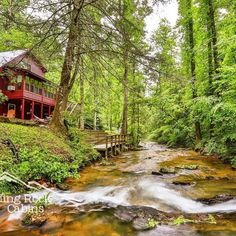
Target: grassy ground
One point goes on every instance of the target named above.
(43, 155)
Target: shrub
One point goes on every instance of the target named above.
(42, 154)
(3, 98)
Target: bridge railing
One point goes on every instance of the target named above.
(116, 143)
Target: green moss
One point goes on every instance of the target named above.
(152, 223)
(211, 219)
(188, 167)
(182, 220)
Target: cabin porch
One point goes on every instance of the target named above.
(25, 109)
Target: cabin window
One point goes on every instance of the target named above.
(27, 87)
(19, 82)
(36, 90)
(40, 91)
(32, 88)
(18, 86)
(27, 81)
(19, 79)
(25, 65)
(46, 91)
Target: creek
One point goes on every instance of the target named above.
(133, 179)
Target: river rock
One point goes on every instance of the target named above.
(168, 170)
(140, 224)
(139, 215)
(188, 167)
(124, 216)
(34, 219)
(217, 199)
(137, 148)
(224, 178)
(49, 226)
(63, 186)
(182, 183)
(156, 173)
(210, 177)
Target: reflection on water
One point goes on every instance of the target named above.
(128, 181)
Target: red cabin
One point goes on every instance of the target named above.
(22, 81)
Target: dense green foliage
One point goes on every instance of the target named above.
(3, 98)
(213, 106)
(42, 154)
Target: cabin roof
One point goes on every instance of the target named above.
(6, 57)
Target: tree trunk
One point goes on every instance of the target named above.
(212, 24)
(213, 57)
(193, 70)
(81, 124)
(124, 128)
(135, 108)
(95, 101)
(57, 122)
(210, 57)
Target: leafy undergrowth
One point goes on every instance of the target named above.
(42, 154)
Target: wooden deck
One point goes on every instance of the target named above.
(107, 144)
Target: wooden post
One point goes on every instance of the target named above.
(23, 109)
(124, 137)
(32, 110)
(115, 144)
(111, 145)
(130, 141)
(122, 142)
(41, 110)
(106, 151)
(127, 141)
(42, 92)
(23, 82)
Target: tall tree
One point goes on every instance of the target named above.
(67, 79)
(185, 9)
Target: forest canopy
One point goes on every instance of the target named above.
(177, 88)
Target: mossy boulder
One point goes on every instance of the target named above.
(182, 183)
(34, 219)
(168, 170)
(63, 186)
(188, 167)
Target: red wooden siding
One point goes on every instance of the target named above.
(33, 95)
(35, 67)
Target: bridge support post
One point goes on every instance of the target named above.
(32, 110)
(122, 142)
(111, 145)
(106, 151)
(119, 138)
(115, 145)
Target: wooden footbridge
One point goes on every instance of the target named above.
(108, 144)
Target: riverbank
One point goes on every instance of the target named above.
(197, 198)
(36, 153)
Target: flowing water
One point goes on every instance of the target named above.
(128, 181)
